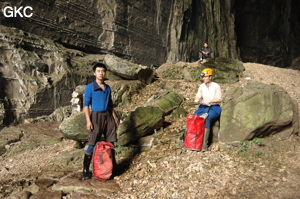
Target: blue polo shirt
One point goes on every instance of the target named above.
(99, 99)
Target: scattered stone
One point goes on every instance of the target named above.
(20, 195)
(146, 142)
(44, 183)
(47, 195)
(73, 184)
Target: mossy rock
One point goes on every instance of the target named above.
(167, 101)
(225, 70)
(74, 128)
(139, 123)
(257, 110)
(179, 113)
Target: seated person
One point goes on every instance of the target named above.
(205, 52)
(209, 95)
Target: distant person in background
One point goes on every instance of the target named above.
(205, 52)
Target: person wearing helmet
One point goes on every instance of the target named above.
(209, 95)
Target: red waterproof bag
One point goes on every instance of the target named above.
(103, 160)
(194, 133)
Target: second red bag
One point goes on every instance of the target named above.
(194, 132)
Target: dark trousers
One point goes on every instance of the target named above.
(209, 55)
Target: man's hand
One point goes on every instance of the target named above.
(89, 126)
(207, 103)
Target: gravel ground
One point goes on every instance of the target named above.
(166, 171)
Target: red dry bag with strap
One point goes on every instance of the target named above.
(194, 133)
(103, 160)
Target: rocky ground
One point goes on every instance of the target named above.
(262, 168)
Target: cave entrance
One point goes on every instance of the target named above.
(268, 31)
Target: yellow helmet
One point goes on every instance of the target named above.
(207, 72)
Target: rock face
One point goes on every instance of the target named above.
(156, 31)
(129, 70)
(276, 43)
(39, 75)
(36, 76)
(257, 110)
(147, 31)
(225, 70)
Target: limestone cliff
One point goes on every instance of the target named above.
(150, 32)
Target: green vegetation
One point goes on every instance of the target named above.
(248, 144)
(120, 148)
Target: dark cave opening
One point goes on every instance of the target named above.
(268, 31)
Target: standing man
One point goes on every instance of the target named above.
(103, 118)
(209, 95)
(205, 52)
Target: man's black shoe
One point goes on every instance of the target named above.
(86, 174)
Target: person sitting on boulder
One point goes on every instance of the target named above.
(205, 52)
(209, 95)
(103, 119)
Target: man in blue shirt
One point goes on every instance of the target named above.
(103, 119)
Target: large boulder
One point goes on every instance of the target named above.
(225, 70)
(129, 70)
(139, 123)
(74, 127)
(257, 110)
(166, 102)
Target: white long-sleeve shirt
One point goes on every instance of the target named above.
(209, 91)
